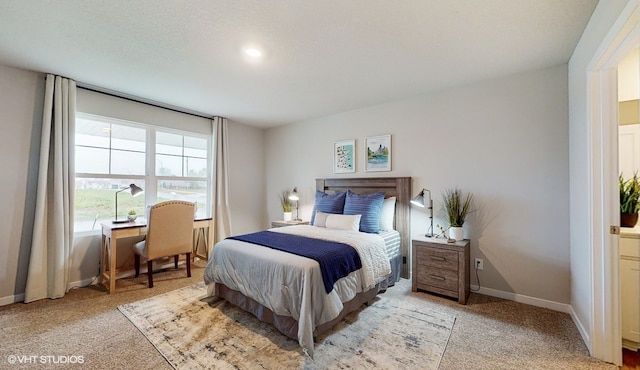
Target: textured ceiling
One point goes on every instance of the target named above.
(321, 57)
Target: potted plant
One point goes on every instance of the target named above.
(132, 215)
(287, 205)
(629, 200)
(457, 207)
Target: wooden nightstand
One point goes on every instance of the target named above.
(440, 267)
(280, 223)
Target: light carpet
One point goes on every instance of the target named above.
(192, 334)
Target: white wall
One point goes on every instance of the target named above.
(601, 21)
(21, 97)
(506, 141)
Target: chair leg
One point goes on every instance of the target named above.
(188, 264)
(150, 273)
(175, 261)
(137, 263)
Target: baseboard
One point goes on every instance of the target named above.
(581, 329)
(11, 299)
(538, 302)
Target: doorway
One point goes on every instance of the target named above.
(605, 330)
(629, 243)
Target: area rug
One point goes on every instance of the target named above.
(193, 334)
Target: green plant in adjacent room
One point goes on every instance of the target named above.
(287, 205)
(457, 206)
(629, 194)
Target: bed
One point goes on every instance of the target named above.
(289, 290)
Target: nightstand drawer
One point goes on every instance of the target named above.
(438, 258)
(444, 279)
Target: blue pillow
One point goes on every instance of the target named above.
(367, 205)
(328, 203)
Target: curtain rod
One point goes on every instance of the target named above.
(142, 102)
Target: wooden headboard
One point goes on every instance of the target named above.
(399, 187)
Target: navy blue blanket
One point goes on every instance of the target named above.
(336, 260)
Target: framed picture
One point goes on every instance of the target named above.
(378, 153)
(344, 156)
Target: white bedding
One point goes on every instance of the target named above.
(292, 285)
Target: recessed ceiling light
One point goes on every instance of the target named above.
(253, 52)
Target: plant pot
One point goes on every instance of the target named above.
(455, 233)
(628, 219)
(287, 216)
(132, 217)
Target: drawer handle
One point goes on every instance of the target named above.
(436, 277)
(437, 258)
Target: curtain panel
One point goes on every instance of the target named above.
(50, 258)
(220, 164)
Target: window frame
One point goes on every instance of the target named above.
(150, 177)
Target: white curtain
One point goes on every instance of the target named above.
(220, 209)
(50, 259)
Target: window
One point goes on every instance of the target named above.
(111, 154)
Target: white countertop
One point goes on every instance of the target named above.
(632, 232)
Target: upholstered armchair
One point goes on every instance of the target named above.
(169, 233)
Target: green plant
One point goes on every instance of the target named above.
(132, 212)
(287, 205)
(457, 206)
(629, 194)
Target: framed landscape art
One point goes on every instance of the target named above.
(378, 153)
(344, 156)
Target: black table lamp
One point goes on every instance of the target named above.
(135, 190)
(419, 201)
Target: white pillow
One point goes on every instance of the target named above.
(337, 222)
(321, 219)
(386, 214)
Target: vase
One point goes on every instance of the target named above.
(455, 233)
(132, 217)
(287, 216)
(628, 219)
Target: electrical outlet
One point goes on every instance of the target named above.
(479, 264)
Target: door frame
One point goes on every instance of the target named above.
(604, 207)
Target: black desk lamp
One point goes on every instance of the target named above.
(419, 201)
(135, 190)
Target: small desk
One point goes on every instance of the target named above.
(112, 232)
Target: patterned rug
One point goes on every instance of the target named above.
(192, 334)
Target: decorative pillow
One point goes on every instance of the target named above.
(337, 222)
(367, 205)
(387, 212)
(328, 203)
(320, 219)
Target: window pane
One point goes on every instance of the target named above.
(168, 165)
(95, 201)
(168, 143)
(195, 147)
(92, 160)
(195, 167)
(127, 163)
(128, 138)
(191, 191)
(92, 133)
